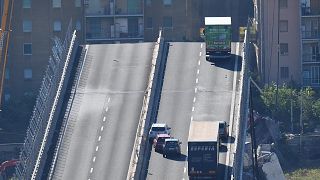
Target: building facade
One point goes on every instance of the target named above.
(280, 41)
(33, 25)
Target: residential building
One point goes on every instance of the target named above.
(34, 23)
(109, 21)
(310, 42)
(279, 41)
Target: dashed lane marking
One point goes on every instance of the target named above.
(199, 62)
(101, 128)
(194, 99)
(91, 170)
(107, 109)
(109, 99)
(198, 71)
(200, 53)
(191, 118)
(197, 80)
(192, 108)
(94, 159)
(104, 119)
(97, 148)
(201, 45)
(195, 90)
(99, 139)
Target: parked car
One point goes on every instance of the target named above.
(158, 142)
(223, 130)
(172, 147)
(158, 128)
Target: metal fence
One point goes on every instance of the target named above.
(40, 129)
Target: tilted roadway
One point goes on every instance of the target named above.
(105, 112)
(194, 89)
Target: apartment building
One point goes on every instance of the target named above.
(310, 42)
(280, 41)
(34, 24)
(109, 21)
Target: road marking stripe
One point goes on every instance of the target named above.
(99, 138)
(200, 53)
(101, 128)
(198, 71)
(184, 169)
(195, 90)
(107, 109)
(194, 99)
(104, 119)
(201, 45)
(97, 148)
(109, 99)
(192, 108)
(91, 170)
(94, 159)
(199, 62)
(197, 80)
(191, 118)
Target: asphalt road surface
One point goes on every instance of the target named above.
(194, 89)
(105, 112)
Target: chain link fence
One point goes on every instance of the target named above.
(42, 122)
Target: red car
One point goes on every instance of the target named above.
(158, 142)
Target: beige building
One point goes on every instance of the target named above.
(34, 24)
(298, 28)
(280, 41)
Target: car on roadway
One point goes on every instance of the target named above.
(158, 128)
(223, 130)
(158, 142)
(172, 147)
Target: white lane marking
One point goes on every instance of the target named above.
(109, 99)
(191, 118)
(199, 62)
(192, 108)
(195, 90)
(201, 45)
(94, 159)
(91, 170)
(104, 119)
(107, 109)
(200, 53)
(101, 128)
(197, 80)
(194, 99)
(99, 138)
(232, 109)
(97, 148)
(198, 71)
(184, 170)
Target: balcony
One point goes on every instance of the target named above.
(312, 82)
(315, 34)
(309, 11)
(311, 58)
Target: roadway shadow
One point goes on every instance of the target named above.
(227, 63)
(222, 168)
(223, 148)
(182, 157)
(226, 140)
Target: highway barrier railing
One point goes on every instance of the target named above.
(46, 110)
(243, 111)
(137, 161)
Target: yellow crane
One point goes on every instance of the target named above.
(4, 40)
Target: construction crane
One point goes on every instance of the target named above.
(4, 41)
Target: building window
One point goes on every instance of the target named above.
(26, 4)
(27, 49)
(283, 26)
(149, 22)
(283, 4)
(27, 73)
(6, 97)
(27, 26)
(56, 3)
(284, 48)
(77, 3)
(284, 72)
(167, 22)
(167, 2)
(78, 25)
(57, 25)
(7, 74)
(315, 75)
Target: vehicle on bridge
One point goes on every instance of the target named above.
(158, 142)
(203, 149)
(172, 147)
(217, 35)
(158, 128)
(223, 130)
